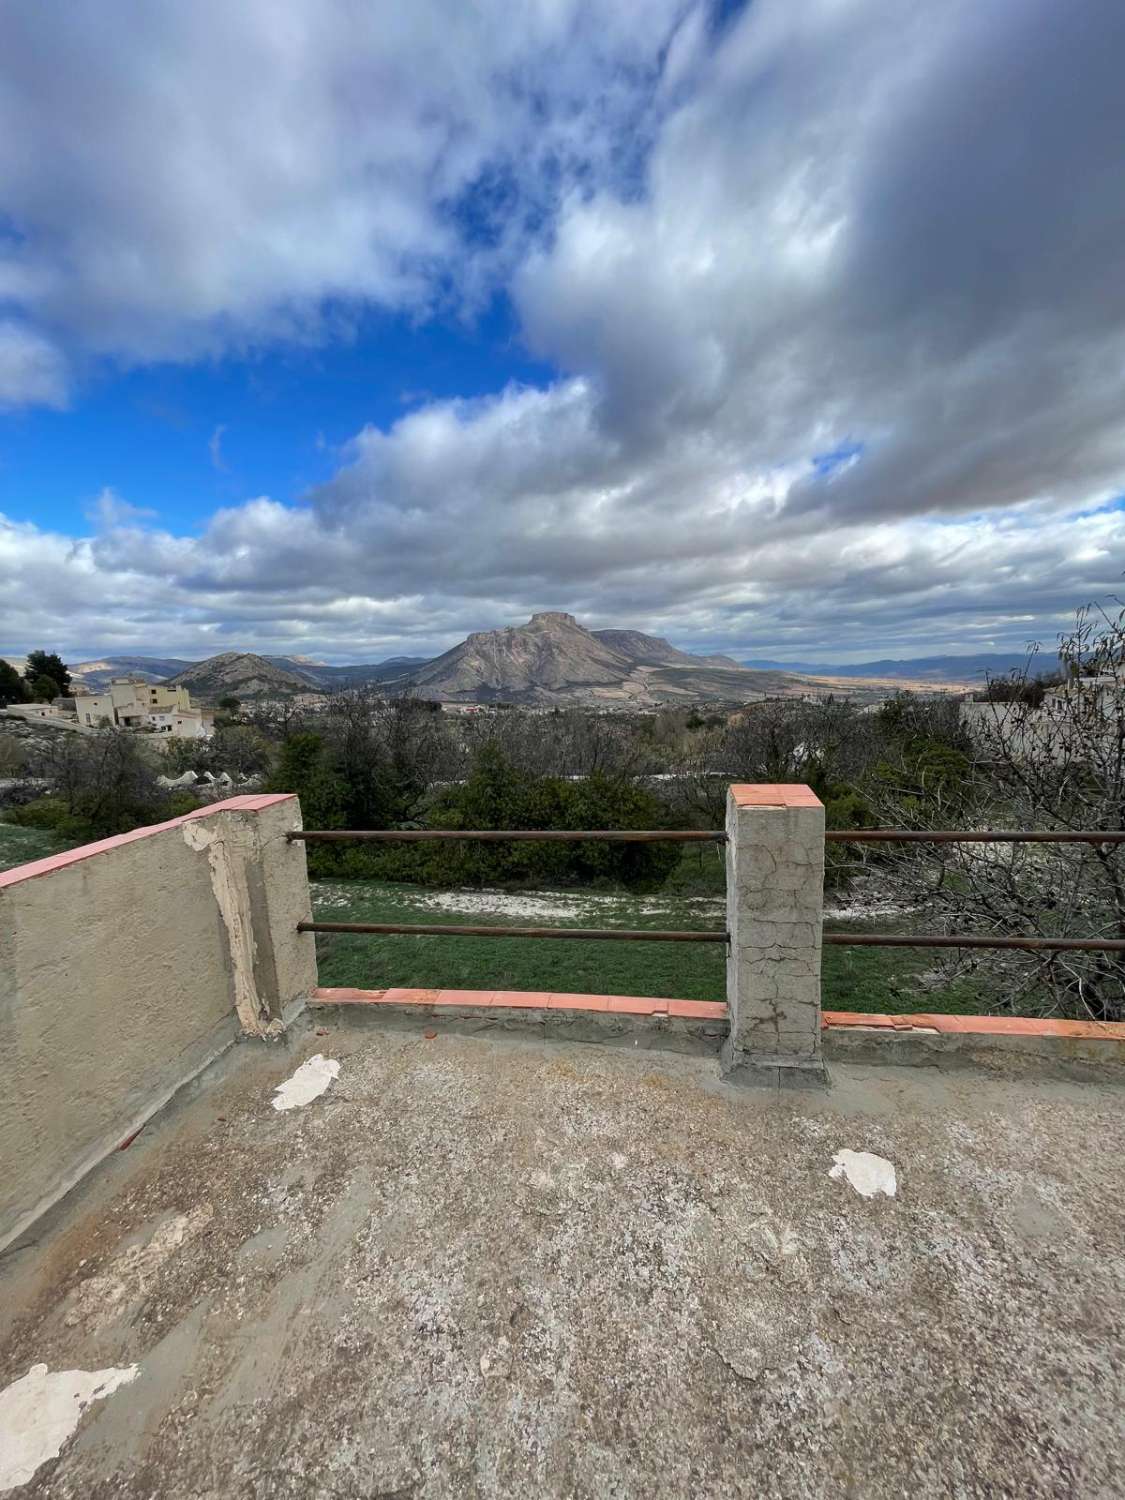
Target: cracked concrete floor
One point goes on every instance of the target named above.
(481, 1266)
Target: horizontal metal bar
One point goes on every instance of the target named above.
(967, 836)
(1033, 944)
(503, 835)
(587, 934)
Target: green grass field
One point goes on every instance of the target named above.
(19, 846)
(859, 979)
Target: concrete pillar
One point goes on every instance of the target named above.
(775, 898)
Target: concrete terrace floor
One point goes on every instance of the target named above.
(480, 1266)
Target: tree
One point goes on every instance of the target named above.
(12, 686)
(302, 767)
(44, 689)
(230, 704)
(1059, 766)
(104, 783)
(498, 795)
(239, 750)
(48, 664)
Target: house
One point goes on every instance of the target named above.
(54, 712)
(154, 707)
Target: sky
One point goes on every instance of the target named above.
(791, 329)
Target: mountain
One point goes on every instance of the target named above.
(654, 651)
(928, 668)
(369, 675)
(242, 674)
(550, 654)
(553, 659)
(97, 674)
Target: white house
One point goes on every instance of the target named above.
(144, 705)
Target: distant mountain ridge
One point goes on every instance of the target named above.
(549, 659)
(951, 668)
(96, 674)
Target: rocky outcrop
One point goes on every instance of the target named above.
(553, 659)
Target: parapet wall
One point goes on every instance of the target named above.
(125, 967)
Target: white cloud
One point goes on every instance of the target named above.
(211, 178)
(865, 228)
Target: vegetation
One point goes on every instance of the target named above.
(13, 756)
(1059, 766)
(239, 749)
(13, 689)
(103, 784)
(1032, 761)
(45, 670)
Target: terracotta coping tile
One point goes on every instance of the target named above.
(247, 802)
(775, 794)
(346, 992)
(715, 1010)
(980, 1025)
(577, 1002)
(464, 997)
(636, 1005)
(698, 1010)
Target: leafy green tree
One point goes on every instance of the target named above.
(47, 664)
(12, 686)
(44, 689)
(303, 767)
(230, 704)
(497, 795)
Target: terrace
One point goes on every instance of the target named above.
(467, 1252)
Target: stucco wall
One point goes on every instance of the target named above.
(126, 966)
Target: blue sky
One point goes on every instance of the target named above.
(791, 330)
(186, 439)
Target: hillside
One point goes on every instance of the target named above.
(97, 674)
(553, 659)
(654, 651)
(241, 674)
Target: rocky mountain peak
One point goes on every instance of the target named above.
(552, 617)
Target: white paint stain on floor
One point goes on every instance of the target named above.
(40, 1411)
(868, 1174)
(307, 1083)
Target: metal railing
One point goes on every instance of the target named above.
(972, 836)
(526, 835)
(705, 836)
(503, 835)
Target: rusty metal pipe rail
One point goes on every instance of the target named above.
(921, 940)
(583, 934)
(967, 836)
(503, 835)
